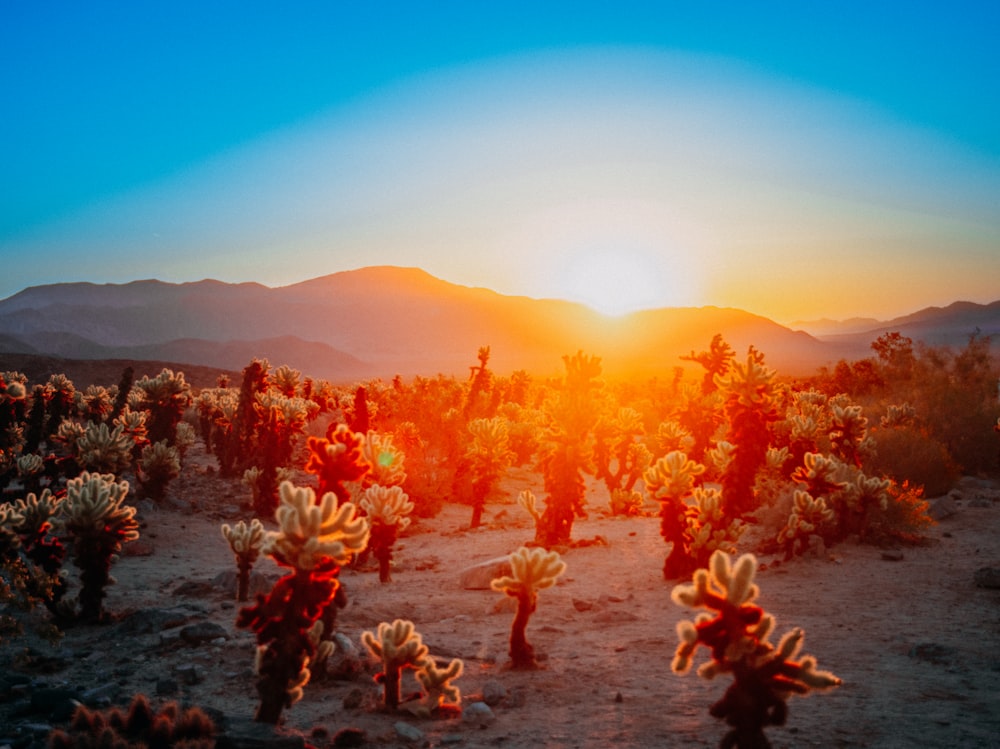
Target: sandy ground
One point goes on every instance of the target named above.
(916, 643)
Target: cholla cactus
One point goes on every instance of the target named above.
(384, 458)
(94, 516)
(848, 432)
(104, 450)
(489, 456)
(398, 646)
(900, 416)
(721, 456)
(861, 497)
(337, 460)
(439, 693)
(313, 540)
(159, 465)
(245, 541)
(533, 570)
(165, 396)
(669, 481)
(141, 725)
(625, 502)
(807, 515)
(388, 511)
(736, 632)
(671, 436)
(708, 528)
(819, 474)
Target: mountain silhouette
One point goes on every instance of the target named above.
(385, 320)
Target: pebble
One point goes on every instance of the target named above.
(478, 714)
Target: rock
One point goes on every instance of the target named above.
(479, 576)
(494, 692)
(980, 502)
(349, 737)
(150, 621)
(194, 589)
(202, 632)
(932, 652)
(167, 687)
(615, 616)
(581, 605)
(942, 507)
(245, 733)
(228, 581)
(190, 673)
(102, 696)
(57, 704)
(987, 577)
(478, 714)
(410, 733)
(353, 699)
(893, 555)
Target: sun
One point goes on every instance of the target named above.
(612, 282)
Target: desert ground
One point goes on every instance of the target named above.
(914, 638)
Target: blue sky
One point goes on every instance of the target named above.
(798, 160)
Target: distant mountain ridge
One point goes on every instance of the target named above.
(386, 320)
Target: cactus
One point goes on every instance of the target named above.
(336, 460)
(165, 396)
(101, 449)
(736, 633)
(398, 646)
(669, 481)
(388, 511)
(489, 456)
(625, 502)
(384, 459)
(141, 726)
(440, 695)
(245, 542)
(807, 515)
(159, 465)
(313, 540)
(533, 570)
(97, 521)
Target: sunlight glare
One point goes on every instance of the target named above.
(612, 282)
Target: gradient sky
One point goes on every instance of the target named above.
(798, 160)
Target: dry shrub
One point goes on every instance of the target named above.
(907, 454)
(904, 518)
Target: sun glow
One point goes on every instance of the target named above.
(613, 282)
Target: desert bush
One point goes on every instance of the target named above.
(910, 454)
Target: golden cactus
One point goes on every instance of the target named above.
(398, 646)
(311, 532)
(532, 570)
(439, 692)
(245, 542)
(388, 511)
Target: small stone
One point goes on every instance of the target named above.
(581, 605)
(478, 714)
(892, 556)
(190, 673)
(618, 698)
(202, 632)
(941, 508)
(494, 692)
(409, 733)
(167, 687)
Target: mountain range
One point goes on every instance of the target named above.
(382, 321)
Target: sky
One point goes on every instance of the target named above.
(796, 160)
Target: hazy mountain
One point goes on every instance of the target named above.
(383, 321)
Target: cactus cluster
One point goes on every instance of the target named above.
(388, 510)
(400, 647)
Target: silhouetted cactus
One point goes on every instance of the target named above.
(337, 460)
(140, 726)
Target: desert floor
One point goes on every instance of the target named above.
(915, 641)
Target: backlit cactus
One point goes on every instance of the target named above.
(736, 631)
(386, 461)
(337, 460)
(670, 480)
(399, 646)
(245, 542)
(532, 570)
(93, 515)
(101, 449)
(388, 510)
(159, 465)
(439, 694)
(807, 516)
(314, 538)
(489, 456)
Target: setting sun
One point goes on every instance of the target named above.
(613, 282)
